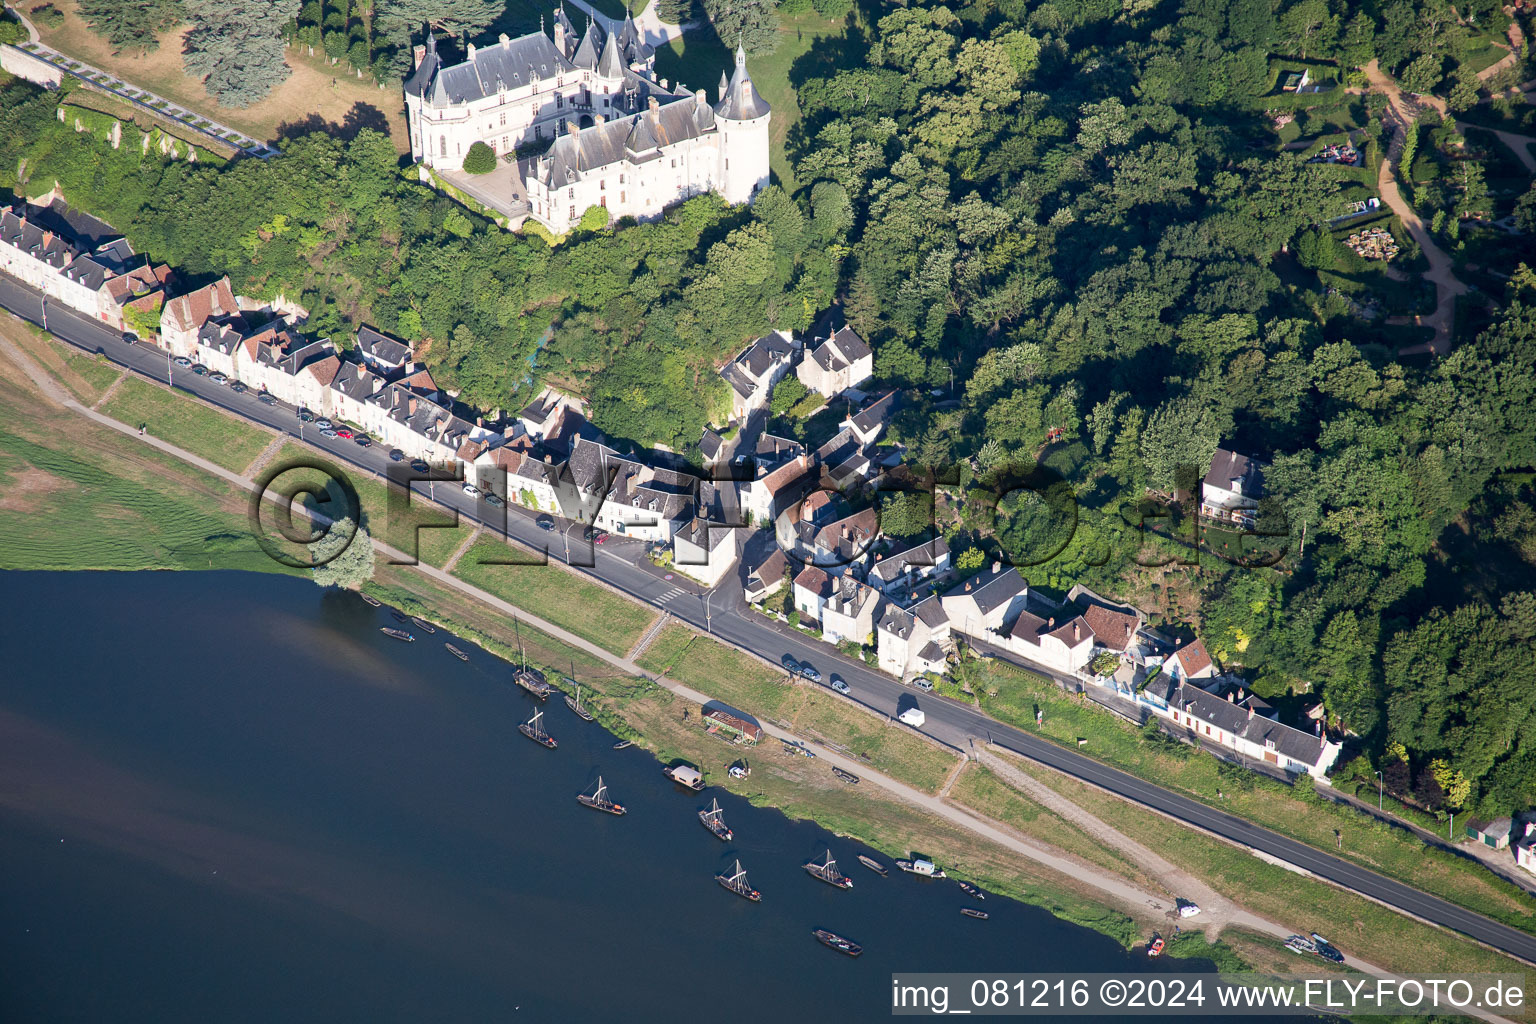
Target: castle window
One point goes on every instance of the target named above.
(727, 163)
(621, 197)
(442, 145)
(621, 179)
(559, 100)
(570, 193)
(674, 162)
(573, 213)
(503, 118)
(602, 185)
(603, 201)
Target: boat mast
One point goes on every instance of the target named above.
(521, 657)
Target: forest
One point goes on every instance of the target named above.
(1066, 219)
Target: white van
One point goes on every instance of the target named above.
(913, 717)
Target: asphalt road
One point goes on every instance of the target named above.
(620, 563)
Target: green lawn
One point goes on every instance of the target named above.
(1011, 694)
(187, 423)
(590, 611)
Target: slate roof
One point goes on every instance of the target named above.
(899, 621)
(772, 568)
(742, 100)
(87, 273)
(21, 229)
(1003, 587)
(876, 414)
(590, 47)
(843, 348)
(710, 444)
(382, 347)
(355, 381)
(1228, 466)
(636, 139)
(919, 556)
(1237, 721)
(511, 64)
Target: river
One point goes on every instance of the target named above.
(227, 797)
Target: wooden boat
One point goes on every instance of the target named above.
(534, 730)
(847, 777)
(370, 599)
(532, 680)
(1156, 948)
(400, 616)
(686, 776)
(874, 865)
(622, 744)
(827, 872)
(456, 652)
(971, 890)
(918, 866)
(837, 942)
(426, 626)
(714, 820)
(980, 915)
(398, 634)
(737, 883)
(599, 801)
(575, 705)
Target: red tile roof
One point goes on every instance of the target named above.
(1193, 658)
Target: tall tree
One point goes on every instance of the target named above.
(236, 48)
(131, 24)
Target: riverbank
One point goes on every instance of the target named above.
(632, 706)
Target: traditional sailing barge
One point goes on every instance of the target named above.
(534, 730)
(828, 873)
(574, 703)
(837, 942)
(737, 883)
(456, 652)
(426, 626)
(714, 820)
(874, 865)
(599, 801)
(398, 634)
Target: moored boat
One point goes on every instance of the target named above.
(837, 942)
(685, 775)
(737, 883)
(574, 703)
(532, 680)
(847, 777)
(1156, 946)
(980, 915)
(398, 634)
(399, 615)
(534, 730)
(971, 890)
(714, 820)
(827, 872)
(622, 744)
(918, 866)
(598, 800)
(426, 627)
(370, 599)
(874, 865)
(456, 652)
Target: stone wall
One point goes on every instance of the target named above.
(23, 65)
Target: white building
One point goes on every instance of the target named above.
(813, 588)
(705, 551)
(840, 362)
(184, 316)
(979, 607)
(1232, 489)
(1240, 722)
(760, 366)
(912, 641)
(849, 614)
(1062, 645)
(621, 139)
(899, 572)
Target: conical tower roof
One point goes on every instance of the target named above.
(611, 65)
(742, 100)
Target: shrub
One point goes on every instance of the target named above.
(47, 16)
(480, 159)
(594, 219)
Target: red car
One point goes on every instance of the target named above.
(344, 432)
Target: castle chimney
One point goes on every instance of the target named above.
(997, 567)
(418, 52)
(698, 96)
(598, 119)
(559, 36)
(1230, 700)
(471, 51)
(652, 103)
(1077, 630)
(571, 127)
(506, 42)
(1250, 712)
(664, 85)
(1050, 623)
(967, 586)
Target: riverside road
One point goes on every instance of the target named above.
(723, 614)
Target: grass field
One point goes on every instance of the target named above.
(87, 377)
(1012, 694)
(590, 611)
(758, 689)
(203, 430)
(313, 89)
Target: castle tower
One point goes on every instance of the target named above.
(743, 117)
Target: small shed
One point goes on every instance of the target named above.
(738, 723)
(1493, 833)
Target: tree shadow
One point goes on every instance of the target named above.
(361, 116)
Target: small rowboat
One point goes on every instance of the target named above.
(971, 890)
(837, 942)
(398, 634)
(400, 616)
(980, 915)
(369, 598)
(874, 865)
(424, 624)
(456, 652)
(622, 744)
(847, 777)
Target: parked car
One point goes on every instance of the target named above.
(218, 378)
(305, 416)
(839, 685)
(362, 440)
(790, 664)
(182, 361)
(238, 387)
(325, 424)
(266, 399)
(809, 671)
(594, 535)
(546, 522)
(419, 466)
(471, 490)
(396, 455)
(923, 684)
(343, 432)
(130, 339)
(327, 432)
(492, 498)
(1187, 908)
(199, 369)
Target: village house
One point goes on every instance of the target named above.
(753, 374)
(980, 607)
(839, 362)
(870, 422)
(769, 496)
(185, 315)
(1064, 645)
(382, 354)
(768, 578)
(603, 489)
(704, 550)
(541, 418)
(1232, 489)
(849, 614)
(141, 290)
(913, 641)
(1191, 662)
(813, 587)
(845, 543)
(1240, 722)
(1114, 625)
(1525, 846)
(899, 572)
